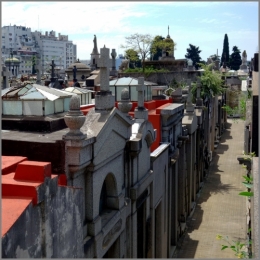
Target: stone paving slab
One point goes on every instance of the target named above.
(219, 210)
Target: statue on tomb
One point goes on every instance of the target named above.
(209, 61)
(95, 42)
(124, 65)
(74, 72)
(244, 57)
(76, 84)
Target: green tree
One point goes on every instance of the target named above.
(193, 53)
(235, 59)
(34, 60)
(31, 62)
(225, 52)
(211, 83)
(133, 57)
(141, 43)
(161, 44)
(214, 57)
(156, 50)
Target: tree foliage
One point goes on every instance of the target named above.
(225, 52)
(133, 57)
(211, 83)
(235, 59)
(141, 43)
(214, 57)
(34, 60)
(193, 53)
(156, 50)
(161, 44)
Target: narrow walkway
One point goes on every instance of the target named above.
(219, 210)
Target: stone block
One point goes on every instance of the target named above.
(135, 144)
(94, 227)
(104, 102)
(32, 171)
(141, 114)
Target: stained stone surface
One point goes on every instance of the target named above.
(104, 100)
(125, 105)
(75, 118)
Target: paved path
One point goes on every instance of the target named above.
(219, 210)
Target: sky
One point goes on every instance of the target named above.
(203, 24)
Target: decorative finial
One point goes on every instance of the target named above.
(168, 29)
(125, 104)
(74, 119)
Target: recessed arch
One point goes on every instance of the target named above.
(108, 192)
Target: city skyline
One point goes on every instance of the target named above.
(202, 24)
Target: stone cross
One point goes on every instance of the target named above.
(113, 54)
(141, 112)
(189, 105)
(74, 72)
(199, 101)
(5, 74)
(104, 63)
(52, 70)
(140, 90)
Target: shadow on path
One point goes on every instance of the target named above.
(212, 186)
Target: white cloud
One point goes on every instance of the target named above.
(112, 21)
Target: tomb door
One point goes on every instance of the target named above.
(114, 250)
(158, 231)
(174, 206)
(141, 225)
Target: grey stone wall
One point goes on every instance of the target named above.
(50, 229)
(165, 78)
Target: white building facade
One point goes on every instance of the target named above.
(23, 44)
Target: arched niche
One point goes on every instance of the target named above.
(108, 199)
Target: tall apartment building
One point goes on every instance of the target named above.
(59, 49)
(23, 43)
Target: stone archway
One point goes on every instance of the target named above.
(108, 194)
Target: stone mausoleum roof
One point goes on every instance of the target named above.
(79, 65)
(12, 60)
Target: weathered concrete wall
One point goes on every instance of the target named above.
(165, 78)
(25, 238)
(51, 229)
(160, 195)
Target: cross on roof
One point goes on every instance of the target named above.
(140, 90)
(52, 68)
(104, 63)
(189, 105)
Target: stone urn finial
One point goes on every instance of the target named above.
(125, 104)
(75, 118)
